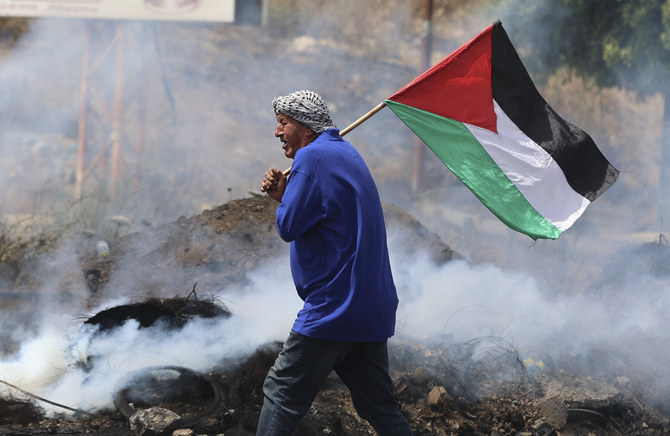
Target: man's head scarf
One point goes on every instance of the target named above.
(306, 107)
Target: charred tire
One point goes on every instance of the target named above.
(122, 401)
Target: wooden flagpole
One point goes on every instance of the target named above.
(353, 125)
(362, 119)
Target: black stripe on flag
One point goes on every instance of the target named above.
(586, 169)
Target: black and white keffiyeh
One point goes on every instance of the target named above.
(306, 107)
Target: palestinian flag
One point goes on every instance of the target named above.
(480, 113)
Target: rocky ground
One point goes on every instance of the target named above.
(443, 389)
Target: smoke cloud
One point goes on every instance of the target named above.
(441, 306)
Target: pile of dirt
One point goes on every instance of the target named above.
(219, 247)
(442, 390)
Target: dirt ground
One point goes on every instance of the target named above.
(442, 389)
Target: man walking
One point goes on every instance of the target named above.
(331, 214)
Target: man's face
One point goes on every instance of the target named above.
(293, 134)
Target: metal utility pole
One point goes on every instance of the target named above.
(79, 173)
(93, 153)
(118, 108)
(426, 53)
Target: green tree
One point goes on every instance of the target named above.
(624, 43)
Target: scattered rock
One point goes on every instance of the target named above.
(554, 412)
(155, 421)
(438, 396)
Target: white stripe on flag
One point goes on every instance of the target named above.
(532, 170)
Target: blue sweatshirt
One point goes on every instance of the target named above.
(333, 217)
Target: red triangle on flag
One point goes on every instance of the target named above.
(459, 87)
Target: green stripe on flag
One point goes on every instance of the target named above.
(460, 151)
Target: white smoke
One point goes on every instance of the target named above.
(458, 300)
(470, 301)
(75, 365)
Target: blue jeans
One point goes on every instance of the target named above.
(303, 365)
